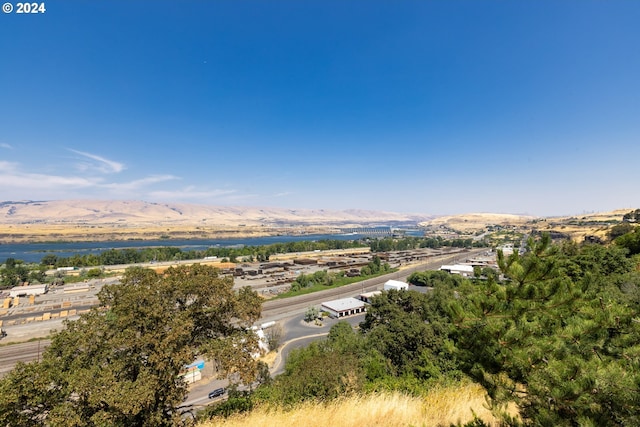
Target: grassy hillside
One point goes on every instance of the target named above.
(440, 407)
(498, 225)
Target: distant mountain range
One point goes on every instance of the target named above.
(134, 212)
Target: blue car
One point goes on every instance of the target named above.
(216, 393)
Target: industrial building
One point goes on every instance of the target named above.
(395, 285)
(461, 269)
(343, 307)
(38, 289)
(368, 296)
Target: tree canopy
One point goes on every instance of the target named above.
(558, 336)
(119, 364)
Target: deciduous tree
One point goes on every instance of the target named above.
(119, 364)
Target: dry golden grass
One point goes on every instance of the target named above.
(576, 227)
(441, 407)
(478, 221)
(596, 216)
(579, 226)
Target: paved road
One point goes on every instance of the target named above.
(271, 310)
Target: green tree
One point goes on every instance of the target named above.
(619, 230)
(630, 241)
(400, 326)
(49, 260)
(119, 364)
(316, 372)
(560, 341)
(274, 335)
(94, 273)
(311, 314)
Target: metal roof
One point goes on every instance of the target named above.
(343, 304)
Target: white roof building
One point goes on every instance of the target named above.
(343, 307)
(395, 284)
(38, 289)
(366, 297)
(461, 269)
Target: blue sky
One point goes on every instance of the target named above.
(432, 107)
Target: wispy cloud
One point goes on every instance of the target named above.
(282, 194)
(5, 145)
(100, 164)
(19, 182)
(14, 178)
(140, 183)
(190, 193)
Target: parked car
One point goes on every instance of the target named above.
(216, 393)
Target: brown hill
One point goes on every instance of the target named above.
(73, 220)
(477, 221)
(578, 228)
(136, 213)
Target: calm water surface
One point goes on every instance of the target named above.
(33, 252)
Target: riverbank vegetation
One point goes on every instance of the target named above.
(245, 253)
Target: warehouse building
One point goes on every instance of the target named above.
(395, 285)
(38, 289)
(343, 307)
(368, 296)
(461, 269)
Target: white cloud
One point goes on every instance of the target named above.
(101, 164)
(282, 194)
(189, 193)
(5, 145)
(8, 166)
(15, 179)
(23, 184)
(140, 183)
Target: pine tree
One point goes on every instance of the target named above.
(564, 346)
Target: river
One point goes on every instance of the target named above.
(33, 252)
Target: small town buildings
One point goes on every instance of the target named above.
(343, 307)
(367, 296)
(461, 269)
(37, 289)
(395, 285)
